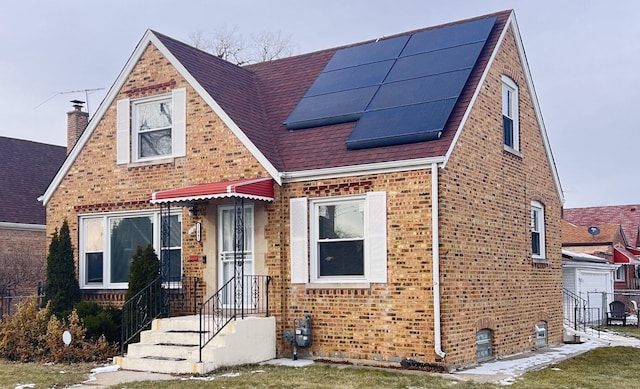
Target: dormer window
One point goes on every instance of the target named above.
(152, 129)
(510, 122)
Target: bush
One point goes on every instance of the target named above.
(35, 335)
(62, 290)
(145, 268)
(100, 321)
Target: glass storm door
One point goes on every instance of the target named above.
(226, 223)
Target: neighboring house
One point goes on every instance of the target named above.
(26, 169)
(614, 237)
(400, 191)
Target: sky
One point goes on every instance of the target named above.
(583, 55)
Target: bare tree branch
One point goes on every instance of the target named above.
(231, 46)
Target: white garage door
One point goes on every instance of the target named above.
(594, 282)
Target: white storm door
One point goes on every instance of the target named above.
(226, 223)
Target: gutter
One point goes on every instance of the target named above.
(437, 336)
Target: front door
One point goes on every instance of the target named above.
(227, 223)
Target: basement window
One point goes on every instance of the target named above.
(484, 339)
(541, 335)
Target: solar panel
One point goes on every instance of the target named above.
(400, 125)
(400, 90)
(419, 90)
(435, 62)
(350, 78)
(369, 52)
(449, 36)
(322, 110)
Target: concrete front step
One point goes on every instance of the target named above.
(172, 346)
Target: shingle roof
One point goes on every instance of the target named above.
(259, 98)
(578, 235)
(628, 216)
(26, 169)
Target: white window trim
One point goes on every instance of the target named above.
(127, 136)
(622, 271)
(539, 208)
(106, 254)
(508, 83)
(304, 258)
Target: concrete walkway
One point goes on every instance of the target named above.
(504, 371)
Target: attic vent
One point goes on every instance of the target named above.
(399, 90)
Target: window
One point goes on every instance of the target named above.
(510, 123)
(620, 273)
(537, 230)
(541, 334)
(152, 128)
(347, 238)
(109, 241)
(483, 345)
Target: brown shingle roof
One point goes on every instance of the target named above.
(628, 216)
(260, 97)
(26, 169)
(578, 235)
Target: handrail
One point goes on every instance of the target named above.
(140, 310)
(219, 309)
(577, 314)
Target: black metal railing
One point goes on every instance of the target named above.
(221, 308)
(577, 313)
(140, 310)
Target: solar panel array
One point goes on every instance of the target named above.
(400, 90)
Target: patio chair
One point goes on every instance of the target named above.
(617, 313)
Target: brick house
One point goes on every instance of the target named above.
(27, 169)
(400, 191)
(616, 240)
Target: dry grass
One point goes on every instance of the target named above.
(42, 375)
(600, 368)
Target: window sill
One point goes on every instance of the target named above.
(159, 161)
(337, 285)
(513, 151)
(539, 260)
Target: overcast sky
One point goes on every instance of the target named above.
(584, 57)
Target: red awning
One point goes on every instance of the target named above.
(255, 189)
(622, 255)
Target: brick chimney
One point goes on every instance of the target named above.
(77, 121)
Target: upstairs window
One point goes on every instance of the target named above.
(510, 124)
(537, 230)
(152, 128)
(619, 275)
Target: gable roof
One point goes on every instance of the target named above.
(26, 168)
(628, 216)
(578, 235)
(254, 102)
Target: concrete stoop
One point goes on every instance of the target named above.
(172, 346)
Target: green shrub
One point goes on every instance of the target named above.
(100, 321)
(144, 269)
(62, 290)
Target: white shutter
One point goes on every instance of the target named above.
(123, 131)
(377, 237)
(179, 123)
(299, 241)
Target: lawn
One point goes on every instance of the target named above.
(599, 368)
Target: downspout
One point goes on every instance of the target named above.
(437, 338)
